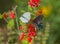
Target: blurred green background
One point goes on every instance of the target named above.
(53, 19)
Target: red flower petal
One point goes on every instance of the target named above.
(12, 15)
(31, 4)
(29, 34)
(29, 39)
(22, 36)
(33, 34)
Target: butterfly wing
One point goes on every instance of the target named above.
(25, 17)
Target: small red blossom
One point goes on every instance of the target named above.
(31, 30)
(31, 4)
(12, 15)
(34, 3)
(29, 39)
(29, 34)
(30, 25)
(22, 36)
(5, 15)
(33, 34)
(21, 27)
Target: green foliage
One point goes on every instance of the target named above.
(1, 16)
(13, 36)
(10, 24)
(53, 19)
(5, 5)
(24, 42)
(55, 22)
(24, 25)
(21, 2)
(29, 8)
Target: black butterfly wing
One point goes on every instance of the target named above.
(38, 22)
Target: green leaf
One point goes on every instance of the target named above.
(24, 42)
(10, 24)
(22, 11)
(1, 16)
(29, 8)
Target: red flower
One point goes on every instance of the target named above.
(29, 34)
(30, 25)
(31, 30)
(22, 36)
(12, 15)
(29, 39)
(5, 15)
(33, 34)
(34, 3)
(31, 4)
(21, 27)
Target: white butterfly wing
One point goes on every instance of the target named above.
(26, 17)
(23, 20)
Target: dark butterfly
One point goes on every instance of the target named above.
(38, 22)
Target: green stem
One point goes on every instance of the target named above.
(6, 20)
(16, 19)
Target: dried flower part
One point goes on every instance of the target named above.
(5, 15)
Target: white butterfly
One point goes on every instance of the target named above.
(25, 17)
